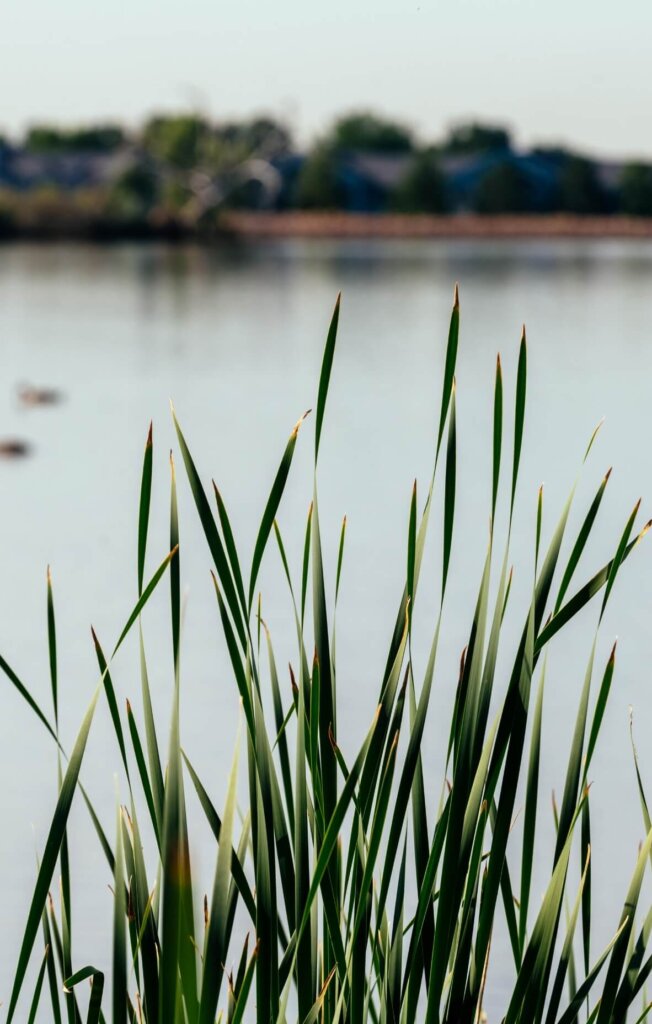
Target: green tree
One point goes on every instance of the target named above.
(133, 193)
(476, 138)
(422, 189)
(580, 190)
(317, 184)
(102, 138)
(179, 140)
(366, 131)
(636, 190)
(503, 189)
(260, 135)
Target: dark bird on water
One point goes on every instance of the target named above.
(29, 394)
(13, 448)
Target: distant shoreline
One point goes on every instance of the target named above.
(252, 226)
(303, 224)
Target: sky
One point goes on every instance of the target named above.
(569, 71)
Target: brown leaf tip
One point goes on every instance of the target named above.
(463, 661)
(150, 435)
(456, 296)
(297, 425)
(331, 738)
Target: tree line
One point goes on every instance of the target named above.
(186, 166)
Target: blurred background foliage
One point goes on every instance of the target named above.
(177, 172)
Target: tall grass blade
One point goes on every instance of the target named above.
(50, 854)
(325, 375)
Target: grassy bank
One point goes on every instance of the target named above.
(367, 890)
(73, 221)
(303, 224)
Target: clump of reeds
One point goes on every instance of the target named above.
(324, 858)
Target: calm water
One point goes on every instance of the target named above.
(235, 339)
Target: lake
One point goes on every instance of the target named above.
(234, 337)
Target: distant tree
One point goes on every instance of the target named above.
(423, 189)
(317, 184)
(261, 136)
(103, 138)
(476, 138)
(100, 138)
(556, 154)
(133, 193)
(368, 132)
(503, 189)
(580, 190)
(179, 140)
(636, 190)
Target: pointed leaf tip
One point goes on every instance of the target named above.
(644, 530)
(297, 425)
(456, 296)
(150, 435)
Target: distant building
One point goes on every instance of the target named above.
(22, 170)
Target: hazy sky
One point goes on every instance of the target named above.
(554, 70)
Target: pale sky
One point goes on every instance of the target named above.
(574, 71)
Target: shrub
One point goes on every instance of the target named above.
(423, 189)
(636, 190)
(502, 189)
(321, 860)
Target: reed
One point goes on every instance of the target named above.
(369, 891)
